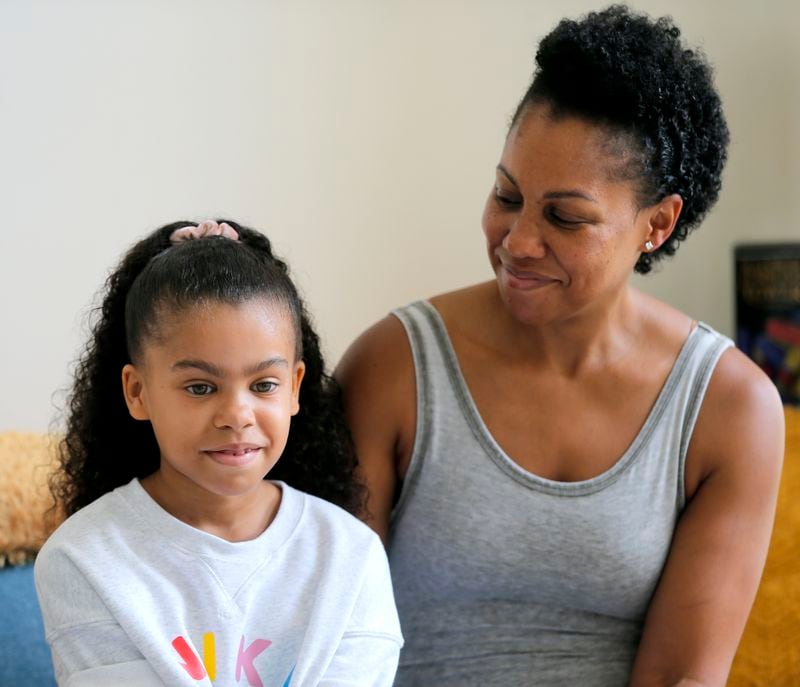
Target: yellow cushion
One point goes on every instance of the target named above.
(769, 653)
(26, 516)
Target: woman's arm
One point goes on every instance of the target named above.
(377, 378)
(701, 604)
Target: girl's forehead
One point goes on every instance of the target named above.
(262, 307)
(214, 324)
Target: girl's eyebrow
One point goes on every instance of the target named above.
(275, 361)
(215, 371)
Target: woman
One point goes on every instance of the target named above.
(575, 481)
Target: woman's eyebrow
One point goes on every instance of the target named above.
(507, 175)
(550, 195)
(570, 193)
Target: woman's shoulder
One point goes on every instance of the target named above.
(740, 391)
(385, 343)
(378, 365)
(661, 323)
(740, 425)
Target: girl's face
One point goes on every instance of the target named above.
(220, 385)
(562, 234)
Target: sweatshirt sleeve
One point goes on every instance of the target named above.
(368, 653)
(81, 632)
(131, 674)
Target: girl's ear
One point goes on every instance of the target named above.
(297, 380)
(133, 388)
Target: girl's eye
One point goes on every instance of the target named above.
(264, 387)
(199, 389)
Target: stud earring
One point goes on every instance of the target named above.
(648, 246)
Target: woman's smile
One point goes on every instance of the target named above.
(525, 279)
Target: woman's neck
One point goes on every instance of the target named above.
(600, 335)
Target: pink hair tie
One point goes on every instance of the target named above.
(206, 228)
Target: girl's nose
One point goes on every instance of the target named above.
(524, 239)
(234, 412)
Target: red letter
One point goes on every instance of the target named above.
(192, 663)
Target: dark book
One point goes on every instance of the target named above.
(768, 312)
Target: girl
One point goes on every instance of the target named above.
(180, 564)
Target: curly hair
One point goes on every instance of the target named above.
(104, 447)
(633, 75)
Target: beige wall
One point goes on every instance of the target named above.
(360, 134)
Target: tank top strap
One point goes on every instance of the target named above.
(435, 390)
(689, 381)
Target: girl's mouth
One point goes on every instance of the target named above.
(234, 456)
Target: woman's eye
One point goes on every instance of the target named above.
(506, 200)
(199, 389)
(264, 387)
(556, 218)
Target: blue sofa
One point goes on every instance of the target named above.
(24, 655)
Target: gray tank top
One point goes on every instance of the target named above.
(504, 578)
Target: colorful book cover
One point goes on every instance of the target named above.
(768, 312)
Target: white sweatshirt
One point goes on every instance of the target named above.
(132, 596)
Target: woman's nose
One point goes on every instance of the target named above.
(524, 239)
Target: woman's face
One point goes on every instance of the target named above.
(563, 229)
